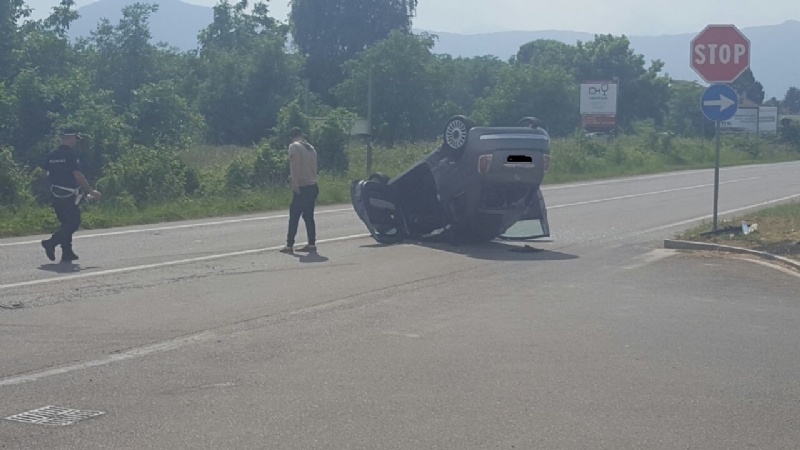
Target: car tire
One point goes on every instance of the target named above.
(531, 122)
(380, 178)
(455, 132)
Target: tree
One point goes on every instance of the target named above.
(548, 53)
(468, 79)
(791, 100)
(685, 117)
(747, 86)
(643, 92)
(161, 117)
(122, 56)
(248, 76)
(331, 32)
(11, 12)
(408, 84)
(547, 93)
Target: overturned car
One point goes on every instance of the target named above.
(481, 184)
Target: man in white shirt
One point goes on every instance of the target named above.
(303, 176)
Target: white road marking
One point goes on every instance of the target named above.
(340, 210)
(651, 257)
(791, 272)
(645, 194)
(130, 354)
(333, 211)
(663, 175)
(710, 216)
(249, 252)
(162, 264)
(178, 227)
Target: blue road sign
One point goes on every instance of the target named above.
(719, 102)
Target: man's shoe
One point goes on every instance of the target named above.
(288, 250)
(308, 249)
(68, 256)
(49, 249)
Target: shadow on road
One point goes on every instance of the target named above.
(312, 258)
(64, 268)
(491, 251)
(500, 251)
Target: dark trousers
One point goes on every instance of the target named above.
(303, 206)
(69, 215)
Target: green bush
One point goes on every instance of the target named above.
(790, 133)
(240, 173)
(271, 167)
(330, 141)
(148, 175)
(14, 182)
(290, 116)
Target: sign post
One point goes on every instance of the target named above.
(719, 54)
(719, 103)
(369, 120)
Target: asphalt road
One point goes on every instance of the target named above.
(201, 335)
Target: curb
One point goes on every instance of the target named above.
(702, 246)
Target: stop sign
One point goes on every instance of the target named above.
(720, 53)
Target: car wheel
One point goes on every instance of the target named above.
(455, 132)
(530, 122)
(380, 178)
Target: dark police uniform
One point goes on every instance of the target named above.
(65, 196)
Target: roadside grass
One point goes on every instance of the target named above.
(778, 231)
(574, 159)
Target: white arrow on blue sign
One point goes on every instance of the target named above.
(719, 102)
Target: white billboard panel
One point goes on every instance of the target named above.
(745, 121)
(599, 98)
(768, 119)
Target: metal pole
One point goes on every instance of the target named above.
(716, 179)
(369, 124)
(307, 85)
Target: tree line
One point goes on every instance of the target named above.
(252, 77)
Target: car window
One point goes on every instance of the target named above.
(524, 229)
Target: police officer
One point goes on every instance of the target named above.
(67, 188)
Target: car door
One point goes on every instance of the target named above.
(376, 206)
(533, 223)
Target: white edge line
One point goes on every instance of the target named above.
(769, 264)
(130, 354)
(644, 194)
(162, 264)
(662, 175)
(260, 250)
(177, 227)
(709, 216)
(331, 211)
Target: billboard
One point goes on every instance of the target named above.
(591, 122)
(599, 98)
(745, 121)
(768, 119)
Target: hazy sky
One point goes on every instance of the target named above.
(632, 17)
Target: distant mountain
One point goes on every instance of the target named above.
(176, 23)
(775, 61)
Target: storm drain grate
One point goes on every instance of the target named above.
(54, 416)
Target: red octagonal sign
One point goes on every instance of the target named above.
(720, 53)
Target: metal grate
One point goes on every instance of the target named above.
(54, 416)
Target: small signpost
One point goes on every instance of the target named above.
(719, 54)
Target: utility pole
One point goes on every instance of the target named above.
(307, 85)
(369, 124)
